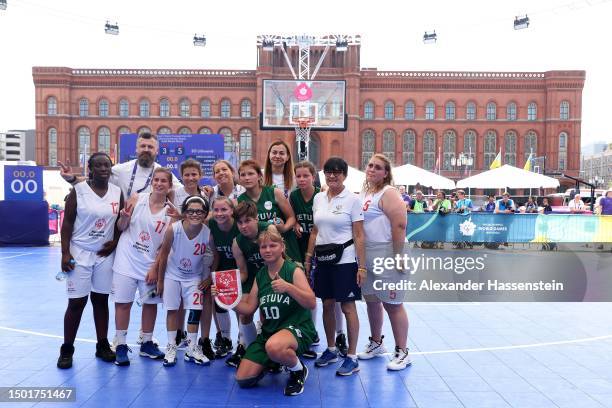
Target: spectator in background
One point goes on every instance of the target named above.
(505, 205)
(490, 204)
(419, 204)
(531, 206)
(605, 204)
(546, 208)
(576, 205)
(405, 196)
(441, 203)
(464, 205)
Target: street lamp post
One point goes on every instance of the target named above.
(463, 159)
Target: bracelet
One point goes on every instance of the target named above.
(308, 254)
(361, 268)
(72, 180)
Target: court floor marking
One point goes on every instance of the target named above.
(15, 256)
(418, 353)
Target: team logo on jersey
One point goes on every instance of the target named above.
(229, 288)
(268, 205)
(185, 263)
(338, 209)
(100, 223)
(144, 236)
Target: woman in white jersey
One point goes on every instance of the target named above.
(384, 222)
(143, 222)
(278, 171)
(225, 177)
(89, 237)
(184, 268)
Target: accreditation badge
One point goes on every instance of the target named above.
(229, 288)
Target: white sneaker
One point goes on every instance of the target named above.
(195, 355)
(400, 360)
(140, 340)
(372, 349)
(170, 357)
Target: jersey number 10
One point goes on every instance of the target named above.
(271, 313)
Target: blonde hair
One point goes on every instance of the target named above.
(271, 234)
(388, 180)
(164, 170)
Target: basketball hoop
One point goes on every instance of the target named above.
(302, 135)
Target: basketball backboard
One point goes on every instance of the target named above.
(285, 102)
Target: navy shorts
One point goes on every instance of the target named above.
(337, 281)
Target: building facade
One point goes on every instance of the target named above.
(17, 145)
(423, 118)
(597, 168)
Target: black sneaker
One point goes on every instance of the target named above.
(229, 346)
(274, 368)
(103, 351)
(316, 340)
(295, 383)
(309, 354)
(341, 344)
(234, 360)
(181, 339)
(218, 340)
(221, 349)
(65, 359)
(207, 349)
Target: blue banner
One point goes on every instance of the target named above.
(23, 183)
(174, 149)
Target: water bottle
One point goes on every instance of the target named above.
(61, 275)
(151, 293)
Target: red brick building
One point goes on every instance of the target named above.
(414, 117)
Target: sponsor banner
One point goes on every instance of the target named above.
(229, 288)
(487, 227)
(418, 275)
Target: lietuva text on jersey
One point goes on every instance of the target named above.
(274, 298)
(305, 221)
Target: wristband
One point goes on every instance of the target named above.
(308, 254)
(72, 180)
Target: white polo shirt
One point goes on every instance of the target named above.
(334, 220)
(122, 175)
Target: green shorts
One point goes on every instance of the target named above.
(256, 352)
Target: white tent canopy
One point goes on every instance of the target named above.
(354, 179)
(508, 176)
(411, 175)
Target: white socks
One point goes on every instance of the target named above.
(147, 337)
(225, 324)
(121, 335)
(172, 336)
(249, 332)
(193, 339)
(297, 367)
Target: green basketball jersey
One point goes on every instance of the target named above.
(279, 310)
(250, 250)
(223, 241)
(303, 216)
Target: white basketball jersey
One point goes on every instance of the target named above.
(179, 196)
(376, 224)
(140, 242)
(96, 217)
(186, 261)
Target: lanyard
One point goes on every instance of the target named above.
(134, 176)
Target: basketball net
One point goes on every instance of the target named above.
(302, 136)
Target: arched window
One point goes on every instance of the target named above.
(245, 109)
(532, 111)
(409, 147)
(429, 150)
(562, 151)
(226, 108)
(510, 148)
(490, 148)
(164, 108)
(83, 107)
(368, 145)
(511, 111)
(531, 144)
(145, 108)
(389, 110)
(204, 131)
(564, 110)
(52, 108)
(184, 131)
(430, 111)
(143, 129)
(409, 113)
(491, 111)
(124, 108)
(103, 108)
(368, 110)
(450, 147)
(470, 111)
(52, 139)
(389, 144)
(246, 144)
(185, 108)
(469, 145)
(228, 139)
(205, 108)
(164, 130)
(123, 130)
(84, 142)
(450, 111)
(104, 140)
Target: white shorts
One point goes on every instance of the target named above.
(188, 291)
(94, 278)
(373, 250)
(124, 289)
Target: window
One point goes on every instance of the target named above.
(185, 108)
(491, 111)
(52, 109)
(122, 131)
(104, 140)
(511, 111)
(563, 141)
(368, 110)
(430, 111)
(469, 145)
(84, 142)
(490, 148)
(368, 145)
(563, 110)
(389, 110)
(245, 109)
(246, 144)
(450, 111)
(184, 131)
(205, 108)
(143, 129)
(52, 138)
(429, 150)
(204, 131)
(532, 111)
(409, 147)
(470, 111)
(409, 111)
(531, 144)
(450, 147)
(103, 108)
(510, 148)
(228, 140)
(145, 108)
(164, 130)
(389, 144)
(164, 108)
(83, 107)
(124, 108)
(562, 151)
(226, 107)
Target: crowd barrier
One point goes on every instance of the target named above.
(519, 228)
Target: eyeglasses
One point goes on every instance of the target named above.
(333, 172)
(375, 166)
(194, 212)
